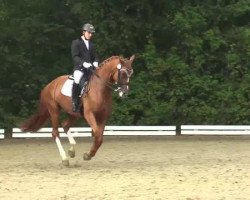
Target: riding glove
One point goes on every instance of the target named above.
(95, 64)
(86, 65)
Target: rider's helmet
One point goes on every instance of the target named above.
(88, 27)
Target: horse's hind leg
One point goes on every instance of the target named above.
(54, 114)
(66, 127)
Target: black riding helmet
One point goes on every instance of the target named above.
(88, 27)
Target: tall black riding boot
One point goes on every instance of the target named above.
(75, 97)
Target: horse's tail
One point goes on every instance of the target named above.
(36, 121)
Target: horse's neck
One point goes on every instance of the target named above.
(107, 69)
(102, 80)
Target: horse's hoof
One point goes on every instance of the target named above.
(65, 162)
(71, 153)
(86, 156)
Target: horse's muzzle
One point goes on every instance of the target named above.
(123, 91)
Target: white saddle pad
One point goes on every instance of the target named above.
(67, 88)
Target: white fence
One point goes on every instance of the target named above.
(109, 130)
(139, 130)
(214, 130)
(1, 133)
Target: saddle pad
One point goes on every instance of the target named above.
(67, 88)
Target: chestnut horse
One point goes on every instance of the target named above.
(97, 104)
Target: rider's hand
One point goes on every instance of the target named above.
(95, 64)
(86, 65)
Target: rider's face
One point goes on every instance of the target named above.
(88, 35)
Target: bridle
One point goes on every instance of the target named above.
(118, 85)
(128, 72)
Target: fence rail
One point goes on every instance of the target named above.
(1, 133)
(109, 130)
(138, 130)
(214, 130)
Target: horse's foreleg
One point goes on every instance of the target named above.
(97, 143)
(66, 127)
(97, 129)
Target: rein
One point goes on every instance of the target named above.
(107, 83)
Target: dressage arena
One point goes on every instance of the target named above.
(128, 167)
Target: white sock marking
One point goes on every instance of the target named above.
(60, 148)
(70, 137)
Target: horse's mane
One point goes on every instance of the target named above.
(112, 58)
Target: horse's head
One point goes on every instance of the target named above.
(122, 75)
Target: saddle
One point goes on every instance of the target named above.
(68, 84)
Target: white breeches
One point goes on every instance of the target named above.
(77, 76)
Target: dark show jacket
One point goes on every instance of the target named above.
(81, 54)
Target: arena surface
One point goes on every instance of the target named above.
(167, 167)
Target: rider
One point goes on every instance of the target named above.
(84, 57)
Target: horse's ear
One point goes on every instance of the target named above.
(132, 58)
